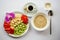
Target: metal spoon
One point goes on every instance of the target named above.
(50, 13)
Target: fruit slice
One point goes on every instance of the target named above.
(6, 24)
(10, 30)
(7, 27)
(24, 18)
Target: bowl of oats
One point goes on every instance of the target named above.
(40, 21)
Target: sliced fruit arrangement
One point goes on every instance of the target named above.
(15, 24)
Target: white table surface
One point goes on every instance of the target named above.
(17, 5)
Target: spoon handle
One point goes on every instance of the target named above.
(50, 27)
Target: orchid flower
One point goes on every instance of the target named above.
(9, 16)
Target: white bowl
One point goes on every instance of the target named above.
(40, 29)
(17, 12)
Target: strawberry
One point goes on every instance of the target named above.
(10, 30)
(7, 27)
(24, 18)
(6, 24)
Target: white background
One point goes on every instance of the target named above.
(17, 5)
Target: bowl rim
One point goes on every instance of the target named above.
(46, 16)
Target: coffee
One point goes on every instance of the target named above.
(30, 8)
